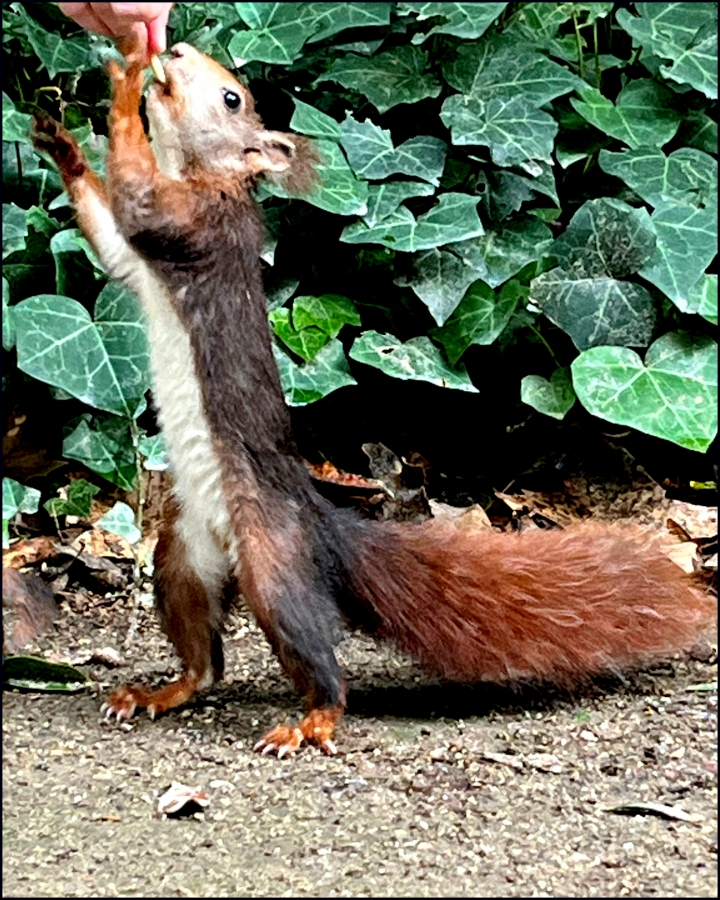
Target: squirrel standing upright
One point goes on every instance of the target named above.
(177, 224)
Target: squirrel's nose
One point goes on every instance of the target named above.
(179, 50)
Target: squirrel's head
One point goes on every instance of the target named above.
(202, 117)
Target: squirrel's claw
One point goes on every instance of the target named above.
(121, 704)
(285, 739)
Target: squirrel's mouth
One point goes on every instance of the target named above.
(162, 81)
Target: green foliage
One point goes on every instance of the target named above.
(31, 673)
(672, 394)
(554, 397)
(490, 174)
(76, 502)
(121, 520)
(16, 498)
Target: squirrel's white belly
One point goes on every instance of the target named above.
(204, 522)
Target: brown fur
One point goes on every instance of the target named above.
(550, 605)
(555, 605)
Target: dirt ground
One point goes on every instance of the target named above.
(437, 790)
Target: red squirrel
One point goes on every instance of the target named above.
(175, 221)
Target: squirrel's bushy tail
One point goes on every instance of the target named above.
(554, 605)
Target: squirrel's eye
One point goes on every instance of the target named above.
(233, 101)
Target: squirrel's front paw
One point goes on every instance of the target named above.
(50, 136)
(135, 52)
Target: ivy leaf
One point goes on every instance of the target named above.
(667, 28)
(332, 18)
(371, 153)
(16, 498)
(328, 312)
(687, 176)
(304, 341)
(416, 360)
(515, 131)
(505, 251)
(278, 289)
(15, 125)
(78, 502)
(685, 33)
(120, 324)
(338, 190)
(703, 299)
(103, 444)
(503, 68)
(308, 120)
(71, 242)
(154, 449)
(103, 363)
(453, 218)
(41, 221)
(673, 395)
(479, 318)
(388, 79)
(555, 397)
(505, 191)
(464, 20)
(595, 310)
(385, 198)
(277, 32)
(440, 279)
(313, 380)
(30, 673)
(606, 237)
(642, 115)
(56, 52)
(15, 228)
(8, 326)
(121, 520)
(697, 65)
(700, 131)
(686, 245)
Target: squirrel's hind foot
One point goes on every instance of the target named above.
(123, 702)
(316, 728)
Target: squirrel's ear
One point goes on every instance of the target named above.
(288, 159)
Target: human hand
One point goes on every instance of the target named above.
(144, 20)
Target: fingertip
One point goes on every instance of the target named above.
(157, 35)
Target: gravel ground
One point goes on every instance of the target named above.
(437, 790)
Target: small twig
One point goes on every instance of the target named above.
(578, 37)
(597, 54)
(549, 349)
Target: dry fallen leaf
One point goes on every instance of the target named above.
(100, 543)
(326, 471)
(27, 553)
(504, 759)
(697, 521)
(105, 655)
(181, 799)
(683, 555)
(472, 518)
